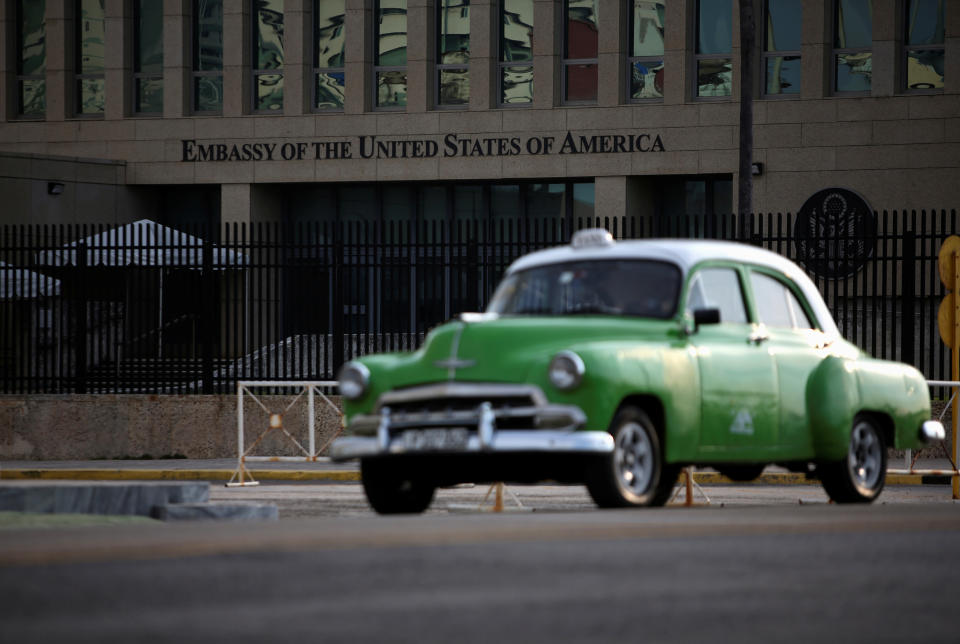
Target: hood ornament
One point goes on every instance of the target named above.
(453, 363)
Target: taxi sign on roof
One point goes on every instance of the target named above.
(592, 238)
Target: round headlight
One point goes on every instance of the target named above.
(566, 370)
(354, 379)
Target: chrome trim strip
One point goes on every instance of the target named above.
(565, 442)
(460, 390)
(548, 417)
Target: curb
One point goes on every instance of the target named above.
(91, 474)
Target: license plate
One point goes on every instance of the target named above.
(435, 439)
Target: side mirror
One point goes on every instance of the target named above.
(705, 316)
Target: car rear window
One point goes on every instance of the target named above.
(642, 288)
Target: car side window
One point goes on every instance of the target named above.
(718, 288)
(777, 306)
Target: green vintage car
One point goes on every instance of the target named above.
(615, 364)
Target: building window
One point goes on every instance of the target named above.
(207, 85)
(714, 48)
(645, 62)
(31, 58)
(453, 52)
(148, 57)
(267, 68)
(781, 47)
(852, 43)
(580, 50)
(89, 79)
(516, 52)
(328, 38)
(390, 57)
(923, 42)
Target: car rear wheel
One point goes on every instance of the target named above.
(859, 477)
(634, 474)
(389, 491)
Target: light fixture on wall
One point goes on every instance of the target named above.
(756, 169)
(54, 188)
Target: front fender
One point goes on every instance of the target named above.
(832, 398)
(840, 388)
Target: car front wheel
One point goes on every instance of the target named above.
(634, 474)
(389, 491)
(859, 477)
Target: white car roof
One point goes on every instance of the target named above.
(687, 253)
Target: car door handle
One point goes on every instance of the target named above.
(758, 338)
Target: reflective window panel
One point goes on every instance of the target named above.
(90, 35)
(454, 87)
(925, 68)
(581, 29)
(646, 28)
(149, 95)
(646, 79)
(148, 55)
(853, 72)
(516, 52)
(208, 93)
(391, 33)
(208, 55)
(516, 37)
(269, 34)
(33, 97)
(208, 35)
(392, 89)
(516, 85)
(90, 96)
(453, 31)
(714, 77)
(924, 25)
(784, 25)
(31, 36)
(31, 57)
(714, 26)
(329, 33)
(925, 22)
(783, 75)
(330, 91)
(581, 82)
(853, 24)
(268, 92)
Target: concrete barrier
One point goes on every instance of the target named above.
(108, 426)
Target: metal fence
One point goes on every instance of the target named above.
(144, 308)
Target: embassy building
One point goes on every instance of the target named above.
(217, 111)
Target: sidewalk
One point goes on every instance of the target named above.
(325, 471)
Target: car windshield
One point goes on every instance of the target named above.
(641, 288)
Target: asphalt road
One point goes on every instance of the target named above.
(758, 569)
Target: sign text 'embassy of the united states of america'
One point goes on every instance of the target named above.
(450, 145)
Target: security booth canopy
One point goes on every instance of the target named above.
(142, 243)
(17, 282)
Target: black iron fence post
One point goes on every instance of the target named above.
(336, 314)
(80, 315)
(207, 315)
(908, 301)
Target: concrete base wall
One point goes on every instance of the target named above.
(63, 427)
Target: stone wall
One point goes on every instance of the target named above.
(64, 427)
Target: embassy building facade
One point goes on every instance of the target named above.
(217, 111)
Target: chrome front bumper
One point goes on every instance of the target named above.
(553, 428)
